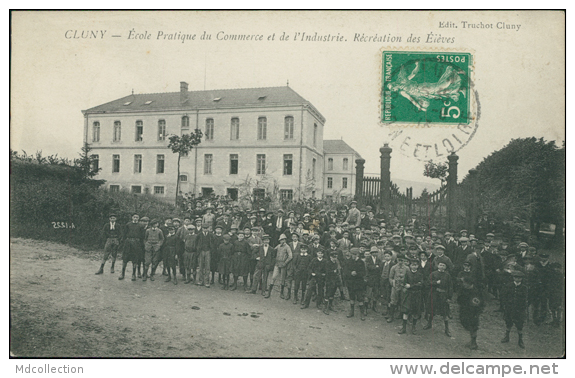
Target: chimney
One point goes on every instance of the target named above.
(183, 91)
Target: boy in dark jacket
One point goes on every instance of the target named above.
(514, 301)
(331, 281)
(300, 265)
(316, 283)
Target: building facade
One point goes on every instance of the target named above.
(254, 139)
(339, 170)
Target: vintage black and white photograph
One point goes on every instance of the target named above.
(287, 184)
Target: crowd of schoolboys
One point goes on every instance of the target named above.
(408, 272)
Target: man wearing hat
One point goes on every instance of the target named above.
(441, 257)
(523, 253)
(283, 258)
(460, 255)
(113, 234)
(397, 275)
(514, 301)
(209, 219)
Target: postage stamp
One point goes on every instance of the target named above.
(431, 88)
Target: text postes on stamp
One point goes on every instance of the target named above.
(426, 88)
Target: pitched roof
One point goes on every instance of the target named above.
(208, 99)
(338, 146)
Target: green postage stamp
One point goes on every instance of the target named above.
(431, 88)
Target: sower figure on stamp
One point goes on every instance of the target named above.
(412, 304)
(153, 243)
(133, 236)
(169, 249)
(355, 272)
(113, 234)
(471, 304)
(514, 300)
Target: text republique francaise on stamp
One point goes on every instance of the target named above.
(428, 102)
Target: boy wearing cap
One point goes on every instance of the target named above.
(412, 304)
(205, 244)
(113, 234)
(385, 284)
(283, 258)
(225, 252)
(471, 304)
(316, 281)
(331, 281)
(169, 249)
(153, 242)
(190, 257)
(514, 300)
(133, 236)
(300, 264)
(240, 261)
(373, 267)
(441, 289)
(215, 257)
(354, 272)
(265, 264)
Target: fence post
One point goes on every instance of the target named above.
(385, 177)
(451, 191)
(472, 219)
(359, 179)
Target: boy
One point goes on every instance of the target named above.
(471, 303)
(514, 300)
(331, 281)
(411, 306)
(397, 275)
(265, 263)
(316, 283)
(190, 256)
(153, 242)
(372, 264)
(225, 253)
(441, 292)
(113, 234)
(169, 247)
(354, 273)
(385, 285)
(283, 258)
(240, 260)
(134, 234)
(300, 265)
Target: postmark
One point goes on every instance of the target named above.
(429, 105)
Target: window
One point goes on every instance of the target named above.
(345, 164)
(185, 124)
(96, 132)
(315, 134)
(183, 178)
(313, 168)
(344, 182)
(259, 194)
(288, 127)
(161, 129)
(136, 189)
(148, 102)
(329, 182)
(158, 190)
(261, 164)
(233, 193)
(209, 129)
(160, 164)
(117, 131)
(330, 164)
(234, 164)
(208, 158)
(95, 162)
(286, 194)
(139, 130)
(115, 163)
(137, 163)
(288, 164)
(262, 128)
(235, 129)
(114, 188)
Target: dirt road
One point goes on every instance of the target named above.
(59, 308)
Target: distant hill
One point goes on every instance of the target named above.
(416, 185)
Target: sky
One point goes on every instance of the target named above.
(519, 74)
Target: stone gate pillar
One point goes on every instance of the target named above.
(359, 167)
(385, 177)
(452, 191)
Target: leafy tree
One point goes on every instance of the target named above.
(182, 145)
(436, 170)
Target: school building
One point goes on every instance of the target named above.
(255, 138)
